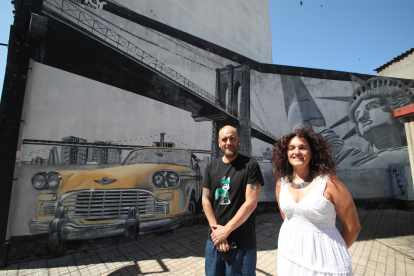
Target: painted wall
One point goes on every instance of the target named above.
(104, 85)
(366, 138)
(60, 104)
(76, 106)
(195, 64)
(240, 26)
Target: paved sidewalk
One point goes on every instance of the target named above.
(385, 246)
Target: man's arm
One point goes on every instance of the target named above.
(252, 197)
(208, 211)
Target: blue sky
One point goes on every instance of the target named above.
(344, 35)
(353, 36)
(6, 19)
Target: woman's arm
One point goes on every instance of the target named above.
(345, 207)
(278, 188)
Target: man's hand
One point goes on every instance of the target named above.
(223, 246)
(220, 233)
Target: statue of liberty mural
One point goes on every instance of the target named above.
(370, 108)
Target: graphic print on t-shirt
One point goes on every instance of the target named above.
(224, 191)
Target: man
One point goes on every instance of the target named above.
(230, 194)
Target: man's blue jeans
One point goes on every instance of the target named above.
(232, 262)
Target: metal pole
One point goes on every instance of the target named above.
(162, 134)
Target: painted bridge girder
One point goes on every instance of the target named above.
(113, 60)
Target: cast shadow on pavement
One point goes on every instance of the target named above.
(184, 249)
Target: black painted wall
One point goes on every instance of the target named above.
(20, 50)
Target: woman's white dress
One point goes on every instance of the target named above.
(309, 242)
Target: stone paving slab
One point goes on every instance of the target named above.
(385, 246)
(404, 245)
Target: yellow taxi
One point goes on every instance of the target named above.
(156, 188)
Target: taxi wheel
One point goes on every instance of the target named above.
(56, 245)
(191, 210)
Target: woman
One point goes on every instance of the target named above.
(310, 196)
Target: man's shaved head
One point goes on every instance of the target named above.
(229, 142)
(228, 129)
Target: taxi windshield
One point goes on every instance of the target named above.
(159, 156)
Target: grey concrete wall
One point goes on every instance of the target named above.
(242, 26)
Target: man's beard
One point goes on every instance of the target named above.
(230, 153)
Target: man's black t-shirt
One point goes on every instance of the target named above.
(227, 183)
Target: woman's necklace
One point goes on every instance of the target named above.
(303, 184)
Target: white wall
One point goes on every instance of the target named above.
(403, 68)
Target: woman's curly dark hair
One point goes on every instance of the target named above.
(322, 162)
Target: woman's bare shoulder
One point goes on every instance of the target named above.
(334, 185)
(278, 184)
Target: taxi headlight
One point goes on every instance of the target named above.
(172, 179)
(158, 180)
(53, 181)
(39, 181)
(165, 179)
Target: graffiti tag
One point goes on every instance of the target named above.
(95, 4)
(398, 179)
(399, 182)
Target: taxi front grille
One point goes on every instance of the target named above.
(112, 203)
(47, 209)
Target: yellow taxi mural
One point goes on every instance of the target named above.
(156, 188)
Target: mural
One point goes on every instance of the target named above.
(370, 109)
(88, 166)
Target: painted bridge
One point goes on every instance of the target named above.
(112, 59)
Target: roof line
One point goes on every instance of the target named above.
(398, 58)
